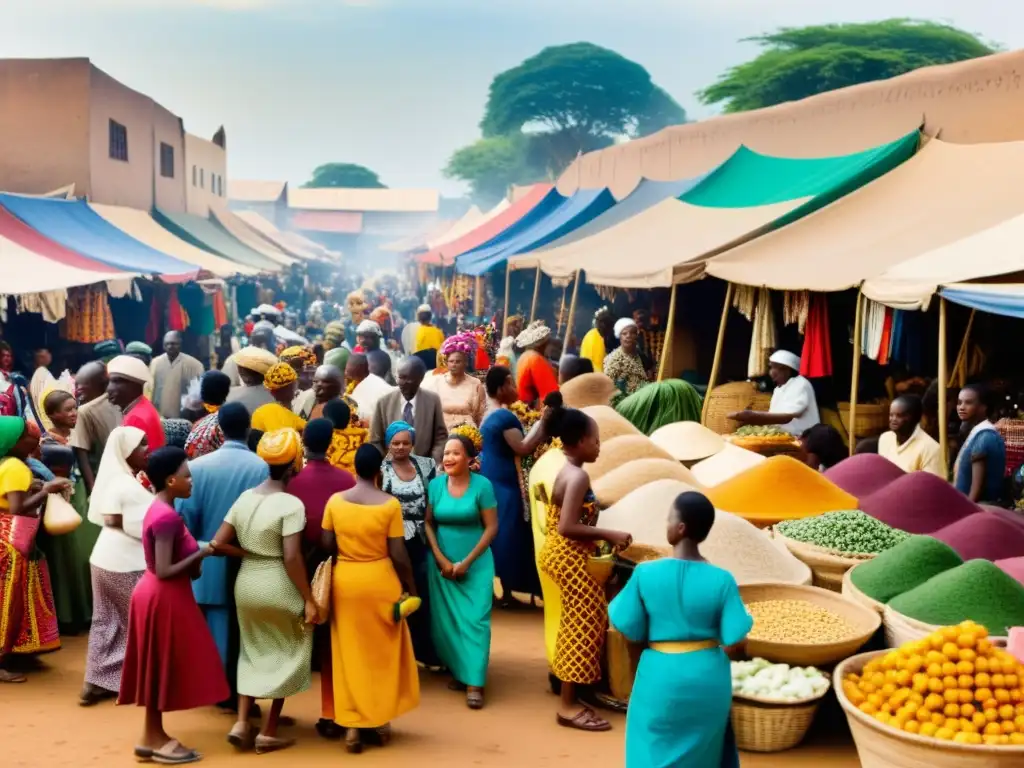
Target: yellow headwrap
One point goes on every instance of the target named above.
(281, 446)
(279, 376)
(300, 357)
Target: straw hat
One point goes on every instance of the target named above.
(611, 488)
(622, 449)
(688, 440)
(610, 423)
(725, 464)
(588, 389)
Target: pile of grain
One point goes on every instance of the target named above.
(904, 567)
(985, 535)
(863, 474)
(780, 488)
(688, 441)
(918, 502)
(619, 451)
(626, 478)
(610, 423)
(797, 622)
(1013, 566)
(725, 465)
(588, 389)
(977, 590)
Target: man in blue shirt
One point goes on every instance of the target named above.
(218, 479)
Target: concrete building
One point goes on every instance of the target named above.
(64, 121)
(206, 170)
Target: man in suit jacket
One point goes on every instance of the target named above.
(410, 403)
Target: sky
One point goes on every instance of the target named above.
(398, 85)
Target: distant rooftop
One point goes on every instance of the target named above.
(255, 191)
(365, 200)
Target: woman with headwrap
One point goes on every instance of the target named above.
(265, 528)
(349, 433)
(303, 361)
(407, 477)
(28, 620)
(463, 399)
(536, 377)
(281, 381)
(176, 431)
(206, 435)
(624, 366)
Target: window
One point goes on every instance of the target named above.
(220, 186)
(118, 141)
(202, 180)
(195, 176)
(166, 161)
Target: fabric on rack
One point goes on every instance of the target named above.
(118, 289)
(763, 339)
(220, 310)
(88, 319)
(52, 305)
(175, 314)
(871, 326)
(795, 308)
(198, 307)
(886, 340)
(744, 299)
(816, 360)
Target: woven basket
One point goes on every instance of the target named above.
(771, 726)
(872, 419)
(900, 629)
(827, 566)
(864, 621)
(880, 746)
(850, 590)
(1012, 432)
(725, 399)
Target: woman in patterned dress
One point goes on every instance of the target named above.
(571, 538)
(625, 365)
(275, 605)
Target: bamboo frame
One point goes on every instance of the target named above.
(536, 295)
(663, 363)
(960, 366)
(858, 321)
(561, 312)
(719, 344)
(943, 377)
(570, 321)
(508, 290)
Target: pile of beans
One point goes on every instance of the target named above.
(797, 621)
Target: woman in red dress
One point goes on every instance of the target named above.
(171, 661)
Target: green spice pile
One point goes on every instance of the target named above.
(849, 531)
(977, 590)
(905, 566)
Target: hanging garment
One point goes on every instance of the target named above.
(873, 318)
(763, 339)
(52, 305)
(795, 307)
(744, 298)
(89, 319)
(816, 360)
(886, 340)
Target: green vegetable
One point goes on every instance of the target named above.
(903, 567)
(849, 531)
(759, 431)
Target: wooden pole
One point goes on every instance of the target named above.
(719, 344)
(855, 378)
(943, 374)
(663, 363)
(478, 296)
(960, 366)
(508, 289)
(561, 313)
(570, 322)
(536, 295)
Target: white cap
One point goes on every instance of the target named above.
(788, 359)
(130, 368)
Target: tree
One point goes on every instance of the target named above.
(348, 175)
(491, 165)
(803, 61)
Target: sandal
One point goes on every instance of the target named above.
(353, 741)
(11, 677)
(92, 695)
(265, 744)
(168, 754)
(585, 720)
(243, 736)
(143, 755)
(475, 699)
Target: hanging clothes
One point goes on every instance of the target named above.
(886, 340)
(88, 319)
(220, 309)
(873, 319)
(744, 299)
(795, 308)
(816, 359)
(176, 318)
(763, 339)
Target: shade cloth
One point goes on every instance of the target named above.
(746, 196)
(203, 233)
(943, 194)
(238, 230)
(470, 220)
(73, 224)
(294, 242)
(1005, 299)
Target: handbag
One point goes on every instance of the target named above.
(60, 517)
(321, 589)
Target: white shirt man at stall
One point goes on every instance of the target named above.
(794, 406)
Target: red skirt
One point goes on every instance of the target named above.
(171, 662)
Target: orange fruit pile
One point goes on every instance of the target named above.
(954, 685)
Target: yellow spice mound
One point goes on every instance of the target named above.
(954, 685)
(779, 488)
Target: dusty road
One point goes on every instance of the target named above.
(41, 725)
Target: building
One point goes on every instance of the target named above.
(267, 198)
(64, 121)
(206, 170)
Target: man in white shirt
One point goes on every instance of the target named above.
(794, 406)
(369, 388)
(907, 445)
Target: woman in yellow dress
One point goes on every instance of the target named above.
(571, 539)
(282, 382)
(349, 433)
(374, 667)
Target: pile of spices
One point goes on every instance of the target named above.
(623, 449)
(863, 474)
(725, 464)
(918, 502)
(749, 554)
(904, 567)
(985, 535)
(643, 513)
(797, 621)
(849, 531)
(610, 423)
(626, 478)
(1013, 566)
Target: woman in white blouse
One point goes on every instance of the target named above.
(118, 505)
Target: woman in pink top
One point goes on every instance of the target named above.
(463, 399)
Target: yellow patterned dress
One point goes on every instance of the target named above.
(584, 620)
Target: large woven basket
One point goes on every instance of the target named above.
(761, 725)
(872, 419)
(827, 566)
(900, 629)
(850, 590)
(725, 399)
(864, 621)
(881, 746)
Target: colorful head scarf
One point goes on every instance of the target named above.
(535, 333)
(337, 357)
(11, 430)
(460, 342)
(176, 431)
(398, 426)
(281, 446)
(299, 357)
(381, 315)
(279, 376)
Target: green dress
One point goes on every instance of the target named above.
(460, 611)
(276, 644)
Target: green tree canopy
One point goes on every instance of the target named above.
(801, 62)
(490, 166)
(349, 175)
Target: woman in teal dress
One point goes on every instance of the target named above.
(461, 523)
(690, 615)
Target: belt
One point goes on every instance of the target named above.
(683, 646)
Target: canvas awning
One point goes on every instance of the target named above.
(238, 230)
(945, 193)
(76, 226)
(746, 196)
(203, 233)
(493, 228)
(141, 226)
(418, 240)
(470, 220)
(1006, 299)
(294, 242)
(570, 213)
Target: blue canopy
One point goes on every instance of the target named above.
(1007, 300)
(75, 225)
(570, 213)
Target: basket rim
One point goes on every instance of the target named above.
(859, 557)
(848, 582)
(862, 636)
(870, 723)
(745, 699)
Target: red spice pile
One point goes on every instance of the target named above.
(863, 474)
(1013, 566)
(919, 502)
(984, 536)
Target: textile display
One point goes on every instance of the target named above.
(795, 307)
(763, 338)
(816, 358)
(89, 319)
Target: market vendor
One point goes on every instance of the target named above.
(794, 406)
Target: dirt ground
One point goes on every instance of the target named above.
(41, 725)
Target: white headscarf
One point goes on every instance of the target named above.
(622, 324)
(369, 326)
(115, 478)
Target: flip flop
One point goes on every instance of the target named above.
(11, 677)
(168, 755)
(585, 720)
(95, 696)
(143, 754)
(265, 744)
(243, 736)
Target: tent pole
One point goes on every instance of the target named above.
(478, 296)
(960, 366)
(536, 295)
(570, 321)
(855, 378)
(943, 377)
(561, 312)
(719, 344)
(508, 287)
(663, 364)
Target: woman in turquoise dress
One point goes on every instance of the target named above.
(461, 523)
(690, 615)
